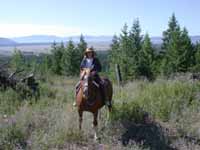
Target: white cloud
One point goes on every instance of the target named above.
(16, 30)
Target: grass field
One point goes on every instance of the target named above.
(163, 114)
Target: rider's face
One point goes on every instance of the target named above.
(89, 54)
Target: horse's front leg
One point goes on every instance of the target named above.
(80, 112)
(95, 124)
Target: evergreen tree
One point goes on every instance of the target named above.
(70, 66)
(135, 35)
(136, 46)
(197, 57)
(18, 60)
(178, 48)
(114, 54)
(187, 52)
(57, 54)
(46, 64)
(81, 47)
(125, 50)
(146, 58)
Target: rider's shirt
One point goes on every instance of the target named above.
(89, 63)
(93, 63)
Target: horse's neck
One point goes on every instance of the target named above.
(84, 73)
(94, 90)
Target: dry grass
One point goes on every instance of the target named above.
(52, 123)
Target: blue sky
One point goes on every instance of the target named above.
(94, 17)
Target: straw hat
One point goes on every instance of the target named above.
(89, 50)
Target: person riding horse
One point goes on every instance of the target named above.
(92, 92)
(93, 63)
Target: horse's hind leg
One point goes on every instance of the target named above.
(95, 124)
(80, 118)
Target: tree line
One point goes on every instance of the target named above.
(132, 51)
(62, 59)
(137, 56)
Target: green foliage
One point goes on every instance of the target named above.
(70, 60)
(163, 99)
(146, 59)
(132, 54)
(196, 67)
(45, 65)
(12, 137)
(127, 112)
(81, 47)
(9, 102)
(65, 60)
(57, 54)
(52, 123)
(18, 60)
(114, 55)
(178, 49)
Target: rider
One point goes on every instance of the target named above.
(92, 62)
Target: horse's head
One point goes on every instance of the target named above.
(87, 79)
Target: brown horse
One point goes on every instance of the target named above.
(89, 97)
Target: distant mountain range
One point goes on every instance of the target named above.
(6, 42)
(39, 39)
(50, 39)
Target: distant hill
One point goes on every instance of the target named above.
(96, 39)
(7, 42)
(42, 43)
(195, 38)
(50, 39)
(158, 40)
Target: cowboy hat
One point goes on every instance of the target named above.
(89, 50)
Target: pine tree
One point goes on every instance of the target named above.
(197, 57)
(70, 66)
(81, 47)
(18, 60)
(46, 64)
(187, 52)
(178, 48)
(146, 58)
(136, 46)
(57, 54)
(135, 35)
(125, 49)
(114, 55)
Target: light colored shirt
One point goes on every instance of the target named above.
(89, 62)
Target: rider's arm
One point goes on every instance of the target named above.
(98, 65)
